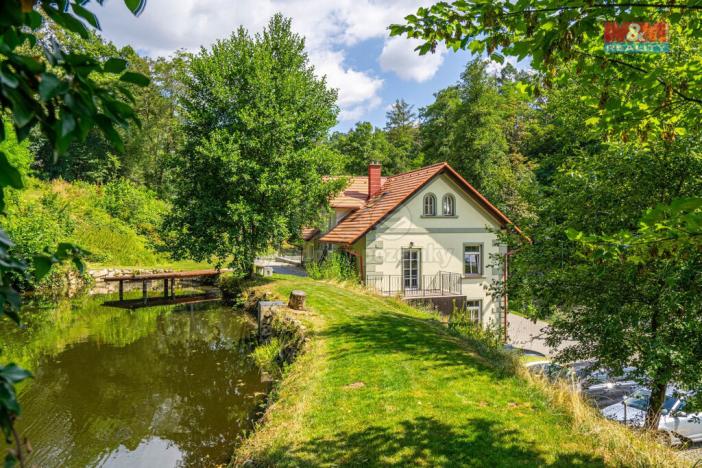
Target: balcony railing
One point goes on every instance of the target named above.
(442, 283)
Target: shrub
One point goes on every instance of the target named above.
(488, 340)
(135, 205)
(267, 357)
(336, 266)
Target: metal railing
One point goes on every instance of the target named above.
(442, 283)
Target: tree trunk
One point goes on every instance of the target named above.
(655, 405)
(297, 300)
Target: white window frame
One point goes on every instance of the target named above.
(429, 202)
(452, 199)
(480, 261)
(474, 310)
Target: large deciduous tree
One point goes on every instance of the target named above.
(628, 293)
(250, 174)
(360, 146)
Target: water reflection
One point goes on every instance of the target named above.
(152, 387)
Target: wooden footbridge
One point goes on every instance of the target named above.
(168, 278)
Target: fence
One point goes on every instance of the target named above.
(440, 284)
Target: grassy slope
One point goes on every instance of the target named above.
(427, 398)
(112, 242)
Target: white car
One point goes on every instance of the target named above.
(674, 419)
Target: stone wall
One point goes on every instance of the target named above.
(276, 320)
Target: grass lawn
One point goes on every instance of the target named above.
(385, 384)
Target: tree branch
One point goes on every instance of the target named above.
(679, 93)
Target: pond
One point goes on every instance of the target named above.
(157, 386)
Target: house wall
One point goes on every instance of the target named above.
(440, 240)
(312, 250)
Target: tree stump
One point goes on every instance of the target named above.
(297, 300)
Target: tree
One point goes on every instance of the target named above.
(650, 99)
(400, 115)
(360, 146)
(637, 95)
(146, 148)
(59, 94)
(402, 133)
(250, 174)
(637, 306)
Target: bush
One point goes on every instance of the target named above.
(267, 357)
(116, 224)
(336, 266)
(488, 341)
(135, 205)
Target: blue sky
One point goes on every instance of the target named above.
(347, 41)
(364, 56)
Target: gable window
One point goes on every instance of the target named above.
(429, 205)
(474, 310)
(448, 205)
(472, 259)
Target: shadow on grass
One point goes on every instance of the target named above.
(425, 441)
(421, 339)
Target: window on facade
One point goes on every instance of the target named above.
(448, 205)
(472, 259)
(429, 205)
(474, 310)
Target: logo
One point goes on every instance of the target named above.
(635, 38)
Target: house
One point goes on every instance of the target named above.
(424, 235)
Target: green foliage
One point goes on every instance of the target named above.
(635, 95)
(147, 147)
(118, 223)
(622, 292)
(625, 296)
(402, 131)
(396, 147)
(60, 96)
(335, 266)
(267, 356)
(360, 146)
(250, 174)
(136, 206)
(487, 340)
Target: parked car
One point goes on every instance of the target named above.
(674, 418)
(598, 384)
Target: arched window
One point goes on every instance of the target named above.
(448, 205)
(429, 205)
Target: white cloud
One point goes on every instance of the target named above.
(330, 27)
(400, 57)
(494, 68)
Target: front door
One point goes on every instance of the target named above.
(410, 269)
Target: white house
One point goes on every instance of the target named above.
(423, 235)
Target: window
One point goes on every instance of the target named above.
(448, 205)
(472, 259)
(474, 310)
(429, 205)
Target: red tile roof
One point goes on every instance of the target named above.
(355, 194)
(395, 191)
(309, 233)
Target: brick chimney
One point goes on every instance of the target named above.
(374, 185)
